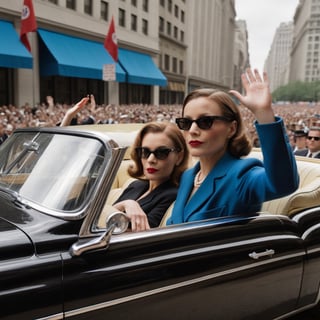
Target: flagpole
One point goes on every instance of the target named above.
(29, 25)
(35, 70)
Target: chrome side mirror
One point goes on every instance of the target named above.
(117, 222)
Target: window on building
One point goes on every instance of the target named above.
(181, 36)
(161, 24)
(104, 10)
(145, 26)
(145, 5)
(170, 5)
(160, 61)
(181, 67)
(88, 6)
(182, 16)
(53, 1)
(168, 28)
(175, 32)
(176, 11)
(71, 4)
(174, 64)
(162, 3)
(166, 62)
(133, 22)
(122, 18)
(134, 3)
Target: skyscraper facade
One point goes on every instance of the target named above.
(278, 61)
(305, 55)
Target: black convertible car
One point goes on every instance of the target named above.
(59, 260)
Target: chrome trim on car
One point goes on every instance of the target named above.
(299, 216)
(310, 230)
(89, 226)
(57, 316)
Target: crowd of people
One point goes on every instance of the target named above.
(296, 116)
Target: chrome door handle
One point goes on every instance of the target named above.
(268, 253)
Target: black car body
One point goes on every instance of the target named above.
(57, 262)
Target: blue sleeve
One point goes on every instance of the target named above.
(278, 159)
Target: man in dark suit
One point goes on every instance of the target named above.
(300, 140)
(313, 143)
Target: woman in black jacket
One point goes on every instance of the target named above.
(160, 156)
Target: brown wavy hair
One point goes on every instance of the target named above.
(239, 144)
(175, 135)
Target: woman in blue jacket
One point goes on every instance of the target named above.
(223, 183)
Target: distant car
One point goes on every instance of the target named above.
(59, 259)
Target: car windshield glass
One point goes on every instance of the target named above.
(56, 171)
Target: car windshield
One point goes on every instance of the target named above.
(55, 171)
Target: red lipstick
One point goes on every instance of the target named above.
(195, 143)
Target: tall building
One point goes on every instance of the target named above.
(210, 39)
(241, 53)
(166, 48)
(305, 63)
(173, 48)
(277, 64)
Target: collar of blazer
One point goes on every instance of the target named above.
(208, 186)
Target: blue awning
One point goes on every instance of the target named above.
(13, 54)
(64, 55)
(141, 69)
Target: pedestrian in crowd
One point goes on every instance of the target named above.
(9, 129)
(160, 156)
(300, 140)
(313, 143)
(223, 183)
(51, 113)
(3, 135)
(70, 117)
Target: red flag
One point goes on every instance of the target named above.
(28, 22)
(110, 42)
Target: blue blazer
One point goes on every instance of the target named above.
(240, 186)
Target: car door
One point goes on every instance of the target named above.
(309, 225)
(30, 284)
(227, 268)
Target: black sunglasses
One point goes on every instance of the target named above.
(315, 138)
(203, 123)
(160, 153)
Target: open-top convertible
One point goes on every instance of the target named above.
(67, 253)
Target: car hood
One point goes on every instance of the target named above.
(14, 243)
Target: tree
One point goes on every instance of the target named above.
(298, 91)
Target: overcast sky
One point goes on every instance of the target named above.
(263, 17)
